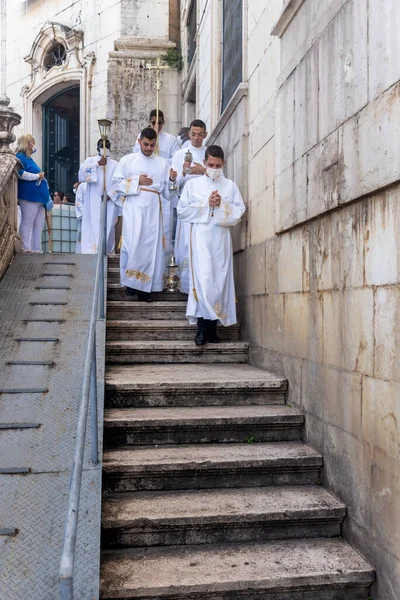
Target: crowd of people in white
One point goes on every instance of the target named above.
(161, 174)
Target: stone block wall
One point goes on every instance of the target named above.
(314, 147)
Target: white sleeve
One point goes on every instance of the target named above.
(191, 209)
(88, 170)
(231, 208)
(28, 176)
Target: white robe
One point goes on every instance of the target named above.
(167, 147)
(92, 174)
(182, 228)
(79, 202)
(212, 288)
(142, 255)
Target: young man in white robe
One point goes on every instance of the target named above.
(211, 205)
(79, 191)
(139, 182)
(166, 147)
(92, 173)
(186, 172)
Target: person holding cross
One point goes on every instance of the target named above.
(167, 143)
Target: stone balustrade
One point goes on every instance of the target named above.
(9, 242)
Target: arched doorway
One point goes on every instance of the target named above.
(61, 116)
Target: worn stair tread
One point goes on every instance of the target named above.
(167, 305)
(160, 345)
(274, 504)
(203, 377)
(148, 459)
(152, 324)
(202, 415)
(186, 570)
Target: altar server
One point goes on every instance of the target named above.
(211, 204)
(92, 173)
(186, 172)
(139, 182)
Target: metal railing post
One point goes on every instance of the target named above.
(93, 407)
(103, 251)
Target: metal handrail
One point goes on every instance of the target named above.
(89, 390)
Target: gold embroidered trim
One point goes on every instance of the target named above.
(137, 275)
(128, 185)
(219, 313)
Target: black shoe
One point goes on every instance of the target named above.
(145, 296)
(212, 336)
(201, 336)
(130, 291)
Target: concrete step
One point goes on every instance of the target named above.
(210, 466)
(205, 424)
(204, 385)
(308, 569)
(113, 261)
(131, 309)
(161, 330)
(116, 292)
(219, 516)
(175, 352)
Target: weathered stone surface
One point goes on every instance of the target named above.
(161, 330)
(199, 466)
(383, 41)
(343, 67)
(348, 338)
(192, 425)
(131, 309)
(381, 415)
(175, 352)
(219, 516)
(370, 145)
(323, 390)
(273, 568)
(387, 334)
(206, 385)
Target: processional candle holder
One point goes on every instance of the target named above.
(172, 279)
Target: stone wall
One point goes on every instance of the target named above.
(318, 277)
(8, 210)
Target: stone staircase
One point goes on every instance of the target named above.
(208, 490)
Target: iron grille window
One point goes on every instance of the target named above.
(232, 48)
(192, 30)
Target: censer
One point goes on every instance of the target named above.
(172, 279)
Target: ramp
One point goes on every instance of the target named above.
(45, 303)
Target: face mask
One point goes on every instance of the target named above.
(179, 141)
(74, 191)
(34, 149)
(100, 152)
(213, 173)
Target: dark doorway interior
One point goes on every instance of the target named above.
(61, 140)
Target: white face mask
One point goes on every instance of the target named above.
(34, 149)
(74, 190)
(213, 173)
(100, 152)
(179, 141)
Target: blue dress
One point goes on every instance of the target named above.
(29, 190)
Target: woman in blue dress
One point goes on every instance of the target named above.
(33, 195)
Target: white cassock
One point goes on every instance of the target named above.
(142, 254)
(79, 202)
(92, 174)
(182, 229)
(167, 147)
(212, 287)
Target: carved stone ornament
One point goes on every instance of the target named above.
(8, 120)
(56, 48)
